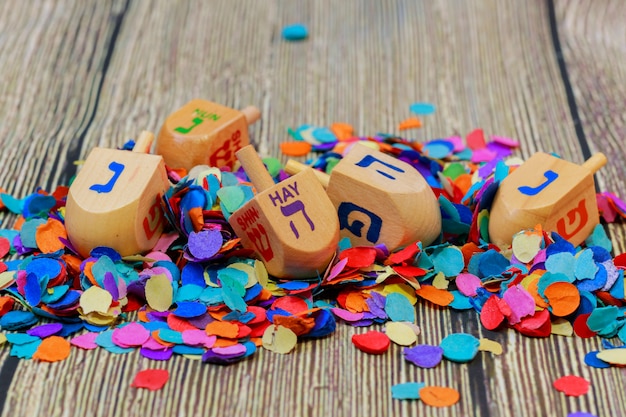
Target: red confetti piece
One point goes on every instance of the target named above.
(580, 327)
(373, 342)
(359, 257)
(476, 139)
(537, 325)
(5, 247)
(571, 385)
(152, 379)
(490, 316)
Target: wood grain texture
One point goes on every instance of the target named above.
(79, 74)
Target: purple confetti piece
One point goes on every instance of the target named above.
(346, 315)
(204, 244)
(45, 330)
(233, 351)
(157, 355)
(110, 284)
(424, 356)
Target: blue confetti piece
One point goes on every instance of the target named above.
(491, 263)
(295, 32)
(407, 390)
(617, 290)
(54, 294)
(13, 204)
(188, 292)
(594, 284)
(324, 135)
(294, 285)
(189, 309)
(187, 350)
(21, 338)
(585, 267)
(171, 336)
(38, 205)
(193, 274)
(252, 292)
(399, 308)
(460, 347)
(32, 290)
(25, 351)
(599, 238)
(70, 328)
(28, 231)
(438, 149)
(17, 320)
(325, 324)
(422, 108)
(562, 263)
(591, 359)
(460, 301)
(448, 260)
(68, 299)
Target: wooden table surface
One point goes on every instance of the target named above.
(79, 74)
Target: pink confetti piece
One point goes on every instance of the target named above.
(520, 302)
(511, 143)
(131, 335)
(467, 284)
(85, 341)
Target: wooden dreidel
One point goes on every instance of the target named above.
(380, 199)
(291, 225)
(204, 133)
(115, 200)
(546, 190)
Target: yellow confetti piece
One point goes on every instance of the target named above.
(95, 299)
(3, 339)
(400, 333)
(488, 345)
(440, 282)
(261, 273)
(7, 279)
(613, 356)
(159, 292)
(404, 289)
(562, 327)
(526, 245)
(279, 339)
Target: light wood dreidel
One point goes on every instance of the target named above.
(380, 199)
(204, 133)
(550, 191)
(291, 225)
(115, 200)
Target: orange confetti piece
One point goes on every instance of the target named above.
(295, 148)
(298, 325)
(48, 236)
(53, 349)
(435, 295)
(343, 131)
(439, 396)
(197, 218)
(222, 329)
(410, 123)
(563, 298)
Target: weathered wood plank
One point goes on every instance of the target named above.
(486, 64)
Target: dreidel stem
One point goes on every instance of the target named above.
(292, 167)
(144, 142)
(596, 162)
(255, 168)
(251, 113)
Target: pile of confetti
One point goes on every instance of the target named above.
(201, 295)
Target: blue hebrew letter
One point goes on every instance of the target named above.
(376, 223)
(293, 208)
(369, 160)
(117, 169)
(550, 177)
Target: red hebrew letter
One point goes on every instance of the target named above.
(258, 236)
(576, 220)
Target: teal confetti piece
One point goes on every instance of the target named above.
(399, 308)
(460, 347)
(407, 390)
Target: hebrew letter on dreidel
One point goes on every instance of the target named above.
(117, 169)
(580, 213)
(153, 219)
(261, 241)
(184, 130)
(373, 232)
(224, 153)
(369, 160)
(551, 176)
(293, 208)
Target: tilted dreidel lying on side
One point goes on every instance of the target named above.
(204, 133)
(380, 199)
(115, 200)
(291, 225)
(546, 190)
